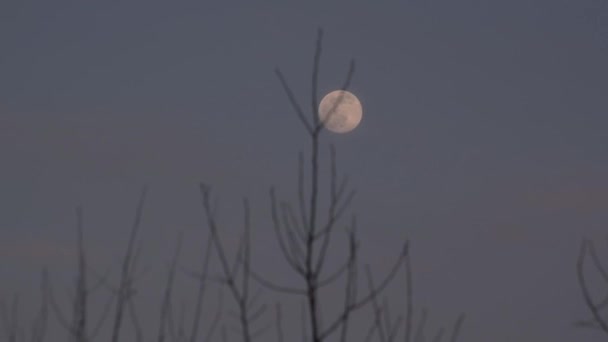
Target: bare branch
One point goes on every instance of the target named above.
(596, 262)
(345, 86)
(302, 196)
(57, 310)
(293, 101)
(275, 287)
(125, 290)
(585, 291)
(315, 76)
(351, 283)
(200, 294)
(376, 308)
(291, 260)
(457, 328)
(290, 225)
(335, 275)
(164, 310)
(357, 305)
(256, 314)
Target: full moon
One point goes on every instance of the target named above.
(340, 111)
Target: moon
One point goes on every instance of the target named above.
(340, 111)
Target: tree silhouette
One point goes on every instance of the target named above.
(303, 231)
(303, 237)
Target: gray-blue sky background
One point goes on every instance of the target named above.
(483, 138)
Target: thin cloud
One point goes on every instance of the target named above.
(35, 250)
(573, 198)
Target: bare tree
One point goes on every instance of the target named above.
(304, 234)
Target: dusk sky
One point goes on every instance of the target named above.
(483, 141)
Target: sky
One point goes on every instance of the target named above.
(483, 142)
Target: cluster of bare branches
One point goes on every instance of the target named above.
(304, 238)
(236, 276)
(304, 235)
(121, 297)
(304, 231)
(175, 329)
(78, 324)
(386, 328)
